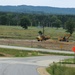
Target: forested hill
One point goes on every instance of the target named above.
(37, 9)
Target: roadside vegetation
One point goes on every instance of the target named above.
(64, 67)
(68, 61)
(58, 69)
(18, 53)
(24, 53)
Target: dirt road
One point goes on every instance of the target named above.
(50, 44)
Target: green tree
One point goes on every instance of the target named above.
(53, 19)
(9, 18)
(25, 22)
(57, 23)
(70, 25)
(3, 20)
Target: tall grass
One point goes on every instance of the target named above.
(17, 32)
(58, 69)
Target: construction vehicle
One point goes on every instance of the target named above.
(42, 37)
(65, 38)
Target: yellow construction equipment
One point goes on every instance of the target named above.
(65, 38)
(42, 37)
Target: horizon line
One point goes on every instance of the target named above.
(36, 6)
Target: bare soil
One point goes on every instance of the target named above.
(42, 71)
(49, 44)
(5, 55)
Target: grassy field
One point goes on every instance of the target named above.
(17, 32)
(24, 53)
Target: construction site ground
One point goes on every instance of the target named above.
(49, 44)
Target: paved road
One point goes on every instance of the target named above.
(26, 66)
(36, 49)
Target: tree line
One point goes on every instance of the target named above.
(42, 20)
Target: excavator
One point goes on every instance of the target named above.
(65, 38)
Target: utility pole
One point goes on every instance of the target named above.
(43, 27)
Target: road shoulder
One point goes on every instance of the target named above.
(42, 71)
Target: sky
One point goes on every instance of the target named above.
(52, 3)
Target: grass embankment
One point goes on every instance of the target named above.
(68, 61)
(25, 53)
(58, 69)
(17, 32)
(65, 67)
(18, 53)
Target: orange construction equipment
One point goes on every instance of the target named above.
(65, 38)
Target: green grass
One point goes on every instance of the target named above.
(68, 61)
(58, 69)
(18, 53)
(17, 32)
(61, 68)
(25, 53)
